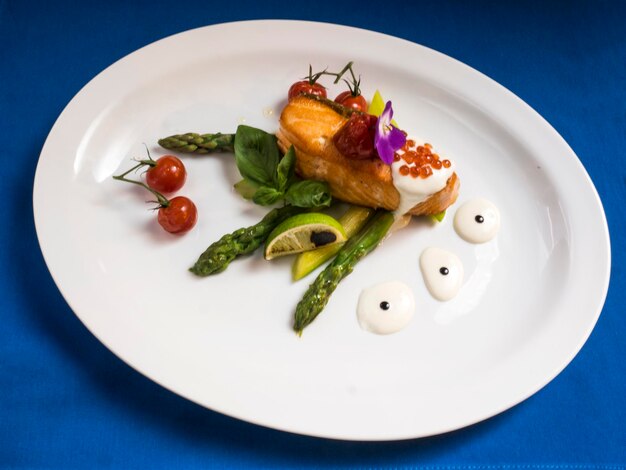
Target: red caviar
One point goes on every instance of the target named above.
(420, 161)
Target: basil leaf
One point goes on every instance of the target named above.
(266, 196)
(256, 155)
(309, 193)
(285, 169)
(245, 188)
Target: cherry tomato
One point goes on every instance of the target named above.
(305, 86)
(356, 138)
(167, 175)
(179, 216)
(348, 100)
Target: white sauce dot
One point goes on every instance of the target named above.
(442, 272)
(385, 308)
(477, 221)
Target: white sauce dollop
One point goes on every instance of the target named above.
(414, 190)
(442, 272)
(477, 221)
(385, 308)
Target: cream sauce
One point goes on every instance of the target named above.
(442, 272)
(414, 190)
(385, 308)
(477, 221)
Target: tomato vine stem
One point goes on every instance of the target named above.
(162, 201)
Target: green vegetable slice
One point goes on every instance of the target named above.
(352, 221)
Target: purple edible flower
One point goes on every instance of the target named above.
(388, 138)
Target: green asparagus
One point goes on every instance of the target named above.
(318, 293)
(218, 256)
(199, 143)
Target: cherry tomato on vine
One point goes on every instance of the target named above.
(179, 215)
(348, 100)
(167, 174)
(305, 86)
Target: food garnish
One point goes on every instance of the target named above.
(308, 85)
(352, 98)
(388, 138)
(177, 215)
(303, 232)
(167, 174)
(442, 272)
(199, 143)
(268, 178)
(352, 221)
(355, 140)
(477, 221)
(244, 241)
(385, 308)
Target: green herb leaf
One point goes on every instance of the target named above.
(256, 155)
(309, 193)
(246, 188)
(285, 169)
(267, 178)
(266, 196)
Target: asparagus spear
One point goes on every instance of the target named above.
(199, 143)
(318, 293)
(218, 256)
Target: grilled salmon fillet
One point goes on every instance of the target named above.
(309, 125)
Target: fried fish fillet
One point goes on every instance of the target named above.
(309, 125)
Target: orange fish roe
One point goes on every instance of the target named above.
(420, 161)
(426, 171)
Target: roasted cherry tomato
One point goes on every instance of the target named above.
(179, 216)
(349, 100)
(305, 86)
(356, 138)
(167, 174)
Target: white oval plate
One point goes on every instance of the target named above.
(531, 296)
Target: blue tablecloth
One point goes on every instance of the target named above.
(66, 401)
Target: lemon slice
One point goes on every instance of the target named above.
(303, 232)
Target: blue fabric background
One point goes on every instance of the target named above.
(66, 401)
